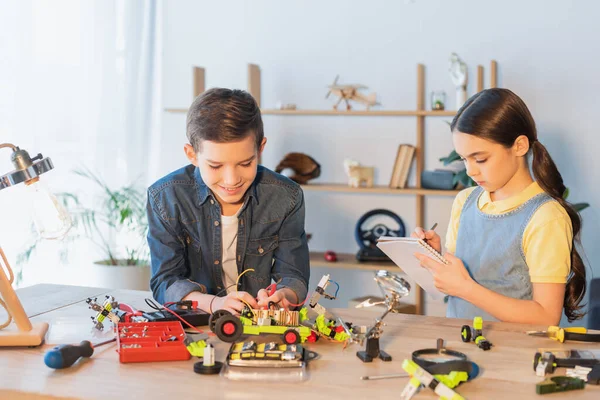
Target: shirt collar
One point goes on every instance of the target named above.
(510, 203)
(204, 193)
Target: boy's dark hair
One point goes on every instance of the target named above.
(223, 115)
(500, 116)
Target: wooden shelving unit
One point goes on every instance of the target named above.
(339, 187)
(380, 113)
(370, 113)
(348, 261)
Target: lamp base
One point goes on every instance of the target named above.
(12, 336)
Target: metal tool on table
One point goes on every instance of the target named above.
(561, 334)
(394, 287)
(65, 355)
(546, 361)
(388, 376)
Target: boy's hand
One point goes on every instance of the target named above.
(452, 279)
(432, 238)
(233, 302)
(284, 298)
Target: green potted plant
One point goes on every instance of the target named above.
(115, 223)
(465, 180)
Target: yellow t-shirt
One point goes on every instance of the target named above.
(547, 239)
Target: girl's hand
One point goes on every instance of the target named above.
(432, 238)
(233, 302)
(452, 279)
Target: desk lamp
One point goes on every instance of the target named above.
(51, 221)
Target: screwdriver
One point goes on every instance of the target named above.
(65, 355)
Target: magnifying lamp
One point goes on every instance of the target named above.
(51, 221)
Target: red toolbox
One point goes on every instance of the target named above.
(151, 341)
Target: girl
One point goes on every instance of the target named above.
(510, 242)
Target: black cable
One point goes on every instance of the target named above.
(150, 303)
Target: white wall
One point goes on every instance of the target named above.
(547, 53)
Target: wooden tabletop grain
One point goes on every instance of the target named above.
(506, 370)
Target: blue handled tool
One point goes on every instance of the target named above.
(65, 355)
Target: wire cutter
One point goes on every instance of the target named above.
(561, 334)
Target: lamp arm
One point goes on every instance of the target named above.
(10, 145)
(10, 301)
(10, 280)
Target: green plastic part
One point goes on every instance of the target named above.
(559, 384)
(303, 313)
(453, 379)
(197, 348)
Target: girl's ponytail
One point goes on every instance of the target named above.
(547, 176)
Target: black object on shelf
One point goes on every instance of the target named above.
(440, 179)
(367, 237)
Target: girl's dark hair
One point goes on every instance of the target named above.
(500, 116)
(224, 115)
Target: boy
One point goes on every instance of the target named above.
(224, 214)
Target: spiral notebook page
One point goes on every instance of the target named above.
(401, 251)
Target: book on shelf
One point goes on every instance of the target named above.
(404, 157)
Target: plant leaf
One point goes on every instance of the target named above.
(453, 156)
(580, 206)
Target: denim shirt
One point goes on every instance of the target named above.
(184, 236)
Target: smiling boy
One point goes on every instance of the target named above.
(224, 214)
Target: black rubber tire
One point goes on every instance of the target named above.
(212, 320)
(465, 333)
(224, 322)
(290, 332)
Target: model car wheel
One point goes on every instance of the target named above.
(291, 336)
(212, 320)
(228, 328)
(465, 333)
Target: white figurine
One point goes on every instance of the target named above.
(357, 174)
(458, 73)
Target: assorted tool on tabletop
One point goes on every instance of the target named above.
(159, 335)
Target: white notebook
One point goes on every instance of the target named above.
(401, 251)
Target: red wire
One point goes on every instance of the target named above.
(271, 289)
(299, 304)
(182, 320)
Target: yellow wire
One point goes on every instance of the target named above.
(239, 276)
(237, 285)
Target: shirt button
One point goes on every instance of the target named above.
(261, 250)
(239, 258)
(212, 201)
(216, 223)
(216, 262)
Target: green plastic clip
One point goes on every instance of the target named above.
(197, 348)
(559, 384)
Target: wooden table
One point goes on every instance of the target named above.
(507, 371)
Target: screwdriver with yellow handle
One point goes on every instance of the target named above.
(578, 334)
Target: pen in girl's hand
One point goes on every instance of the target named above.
(432, 228)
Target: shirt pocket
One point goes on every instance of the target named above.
(262, 247)
(259, 256)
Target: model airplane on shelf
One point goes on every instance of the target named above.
(351, 92)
